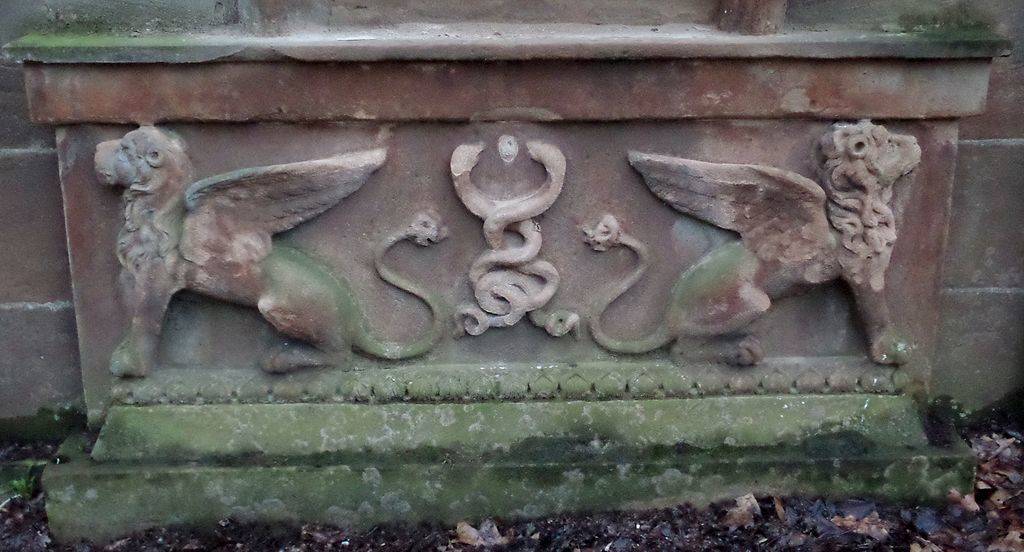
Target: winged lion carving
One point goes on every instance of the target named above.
(214, 236)
(793, 233)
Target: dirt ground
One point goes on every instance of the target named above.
(991, 519)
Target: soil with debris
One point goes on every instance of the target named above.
(15, 451)
(990, 519)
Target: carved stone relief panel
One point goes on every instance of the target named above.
(306, 255)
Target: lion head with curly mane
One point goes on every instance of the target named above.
(860, 163)
(152, 167)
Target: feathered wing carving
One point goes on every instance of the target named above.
(233, 215)
(779, 214)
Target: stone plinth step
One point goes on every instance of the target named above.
(357, 465)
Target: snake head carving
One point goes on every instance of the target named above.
(427, 229)
(562, 322)
(604, 234)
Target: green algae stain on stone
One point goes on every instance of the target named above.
(469, 430)
(105, 499)
(957, 18)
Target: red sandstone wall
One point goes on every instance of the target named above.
(982, 355)
(38, 348)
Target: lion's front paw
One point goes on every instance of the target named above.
(890, 348)
(748, 352)
(127, 361)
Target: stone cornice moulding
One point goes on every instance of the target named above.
(469, 41)
(544, 90)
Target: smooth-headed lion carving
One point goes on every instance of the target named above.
(793, 233)
(213, 236)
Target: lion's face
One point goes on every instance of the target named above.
(889, 156)
(135, 159)
(869, 152)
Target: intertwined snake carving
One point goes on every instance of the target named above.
(509, 281)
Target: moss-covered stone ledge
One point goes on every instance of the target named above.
(232, 433)
(468, 464)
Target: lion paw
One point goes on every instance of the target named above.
(748, 352)
(293, 357)
(889, 348)
(127, 361)
(731, 350)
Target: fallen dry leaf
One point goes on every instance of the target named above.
(743, 513)
(796, 539)
(487, 535)
(871, 525)
(780, 509)
(1000, 497)
(117, 545)
(1011, 542)
(967, 502)
(322, 535)
(924, 545)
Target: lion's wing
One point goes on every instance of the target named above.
(779, 214)
(234, 214)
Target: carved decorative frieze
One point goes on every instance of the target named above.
(605, 380)
(510, 281)
(214, 237)
(793, 232)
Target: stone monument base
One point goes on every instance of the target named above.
(356, 465)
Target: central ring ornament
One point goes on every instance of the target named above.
(509, 281)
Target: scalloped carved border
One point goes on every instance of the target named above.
(607, 380)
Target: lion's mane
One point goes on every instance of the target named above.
(858, 204)
(151, 229)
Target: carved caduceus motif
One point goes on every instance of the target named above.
(509, 281)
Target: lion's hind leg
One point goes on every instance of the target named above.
(718, 330)
(317, 340)
(301, 302)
